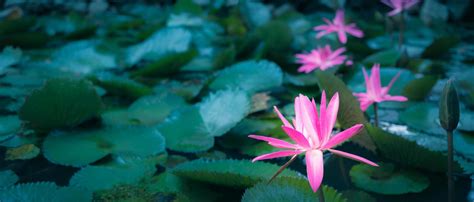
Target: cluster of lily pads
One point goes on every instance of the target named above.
(155, 102)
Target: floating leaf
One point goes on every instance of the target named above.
(8, 57)
(44, 191)
(356, 196)
(56, 105)
(79, 148)
(27, 151)
(255, 13)
(289, 190)
(419, 89)
(192, 138)
(165, 66)
(386, 179)
(384, 58)
(7, 178)
(235, 173)
(349, 110)
(154, 108)
(8, 126)
(248, 76)
(122, 86)
(105, 177)
(439, 46)
(222, 110)
(167, 40)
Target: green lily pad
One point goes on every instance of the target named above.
(356, 195)
(105, 177)
(79, 148)
(247, 75)
(44, 191)
(27, 151)
(121, 86)
(61, 103)
(166, 66)
(384, 58)
(439, 46)
(117, 117)
(7, 178)
(228, 172)
(8, 126)
(289, 190)
(8, 57)
(154, 108)
(222, 110)
(387, 179)
(349, 108)
(187, 89)
(420, 88)
(192, 138)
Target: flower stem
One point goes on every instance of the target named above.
(402, 29)
(321, 194)
(282, 168)
(342, 168)
(450, 167)
(376, 115)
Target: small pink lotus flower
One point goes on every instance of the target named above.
(322, 58)
(399, 5)
(312, 134)
(375, 91)
(337, 25)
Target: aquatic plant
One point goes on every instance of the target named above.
(312, 134)
(320, 58)
(338, 25)
(399, 5)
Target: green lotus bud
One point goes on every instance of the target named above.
(449, 107)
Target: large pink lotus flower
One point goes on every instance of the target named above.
(399, 5)
(312, 134)
(375, 92)
(322, 58)
(337, 25)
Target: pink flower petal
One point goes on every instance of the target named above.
(339, 19)
(352, 156)
(308, 116)
(343, 136)
(332, 110)
(314, 168)
(274, 142)
(282, 118)
(352, 30)
(323, 118)
(375, 80)
(395, 98)
(341, 34)
(296, 136)
(276, 155)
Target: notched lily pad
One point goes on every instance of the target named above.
(24, 152)
(387, 179)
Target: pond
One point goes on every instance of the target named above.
(226, 100)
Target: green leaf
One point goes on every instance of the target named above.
(8, 57)
(16, 25)
(234, 173)
(440, 46)
(289, 190)
(79, 148)
(387, 179)
(423, 117)
(8, 126)
(167, 40)
(349, 108)
(247, 75)
(43, 192)
(166, 66)
(61, 103)
(384, 58)
(154, 108)
(23, 152)
(105, 177)
(194, 137)
(7, 178)
(356, 196)
(254, 13)
(222, 110)
(419, 89)
(122, 86)
(406, 152)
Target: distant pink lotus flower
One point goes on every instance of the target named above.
(399, 5)
(337, 25)
(322, 58)
(312, 134)
(375, 92)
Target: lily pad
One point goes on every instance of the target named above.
(192, 138)
(61, 103)
(165, 66)
(44, 191)
(7, 178)
(122, 86)
(247, 75)
(289, 190)
(387, 179)
(154, 108)
(228, 172)
(439, 46)
(8, 126)
(420, 88)
(222, 110)
(81, 147)
(384, 58)
(23, 152)
(8, 57)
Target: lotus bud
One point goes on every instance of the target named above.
(449, 107)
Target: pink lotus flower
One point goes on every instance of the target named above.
(399, 5)
(322, 58)
(312, 134)
(375, 91)
(337, 25)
